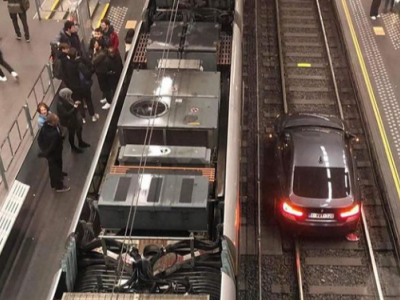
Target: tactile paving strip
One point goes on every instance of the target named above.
(140, 53)
(392, 24)
(225, 49)
(117, 15)
(387, 97)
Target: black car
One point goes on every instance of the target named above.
(318, 186)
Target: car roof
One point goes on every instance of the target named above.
(316, 147)
(305, 119)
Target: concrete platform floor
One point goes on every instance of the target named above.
(26, 58)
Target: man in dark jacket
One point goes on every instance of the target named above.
(109, 32)
(97, 35)
(18, 8)
(77, 73)
(69, 117)
(50, 142)
(100, 64)
(68, 35)
(115, 66)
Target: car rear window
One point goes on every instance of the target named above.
(326, 183)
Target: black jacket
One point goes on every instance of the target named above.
(68, 114)
(105, 42)
(114, 65)
(72, 40)
(99, 61)
(71, 73)
(50, 141)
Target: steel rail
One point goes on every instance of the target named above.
(371, 255)
(258, 159)
(298, 269)
(282, 67)
(328, 52)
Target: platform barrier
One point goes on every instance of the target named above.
(10, 210)
(23, 123)
(63, 9)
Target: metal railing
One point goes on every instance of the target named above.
(45, 9)
(23, 124)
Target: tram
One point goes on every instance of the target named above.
(159, 211)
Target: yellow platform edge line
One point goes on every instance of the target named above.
(53, 8)
(103, 14)
(372, 98)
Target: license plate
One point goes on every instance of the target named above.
(321, 216)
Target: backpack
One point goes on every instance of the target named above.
(25, 5)
(58, 69)
(85, 81)
(86, 69)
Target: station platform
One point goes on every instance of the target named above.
(374, 49)
(32, 255)
(27, 59)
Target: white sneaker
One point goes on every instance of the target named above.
(106, 106)
(14, 74)
(83, 121)
(95, 117)
(3, 78)
(103, 100)
(373, 18)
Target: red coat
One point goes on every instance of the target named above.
(112, 36)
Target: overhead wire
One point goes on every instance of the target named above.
(144, 154)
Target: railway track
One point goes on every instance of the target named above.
(302, 67)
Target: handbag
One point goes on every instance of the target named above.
(25, 4)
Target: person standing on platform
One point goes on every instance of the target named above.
(68, 35)
(4, 64)
(115, 67)
(19, 8)
(97, 35)
(109, 33)
(50, 142)
(70, 118)
(374, 12)
(43, 111)
(78, 77)
(100, 64)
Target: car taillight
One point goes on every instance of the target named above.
(351, 212)
(291, 211)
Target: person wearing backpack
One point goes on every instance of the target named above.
(18, 8)
(77, 77)
(59, 60)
